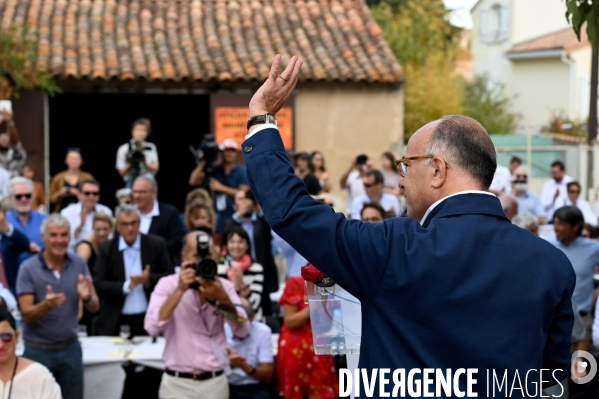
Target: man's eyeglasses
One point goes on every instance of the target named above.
(7, 337)
(521, 177)
(88, 193)
(573, 191)
(21, 196)
(402, 164)
(369, 185)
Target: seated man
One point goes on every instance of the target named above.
(251, 360)
(372, 212)
(12, 244)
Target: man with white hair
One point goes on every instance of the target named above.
(157, 217)
(126, 271)
(23, 217)
(528, 202)
(528, 222)
(50, 287)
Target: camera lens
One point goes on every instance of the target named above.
(206, 268)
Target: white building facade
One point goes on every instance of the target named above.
(529, 49)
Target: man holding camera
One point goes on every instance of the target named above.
(227, 178)
(195, 354)
(138, 156)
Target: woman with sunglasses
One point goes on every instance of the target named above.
(63, 187)
(573, 190)
(20, 377)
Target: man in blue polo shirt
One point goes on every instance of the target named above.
(50, 286)
(22, 217)
(568, 223)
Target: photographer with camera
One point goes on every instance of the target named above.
(189, 309)
(138, 156)
(225, 179)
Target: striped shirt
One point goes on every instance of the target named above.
(253, 277)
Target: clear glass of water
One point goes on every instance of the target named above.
(125, 332)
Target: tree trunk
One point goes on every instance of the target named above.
(592, 125)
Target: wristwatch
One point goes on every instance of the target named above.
(260, 119)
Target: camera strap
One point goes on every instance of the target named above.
(231, 315)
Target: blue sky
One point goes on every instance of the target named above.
(461, 14)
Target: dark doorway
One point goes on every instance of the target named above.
(99, 123)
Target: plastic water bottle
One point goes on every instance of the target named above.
(19, 323)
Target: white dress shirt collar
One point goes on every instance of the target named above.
(430, 209)
(146, 220)
(136, 244)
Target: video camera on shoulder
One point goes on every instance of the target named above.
(206, 267)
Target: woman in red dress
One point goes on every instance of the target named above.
(300, 371)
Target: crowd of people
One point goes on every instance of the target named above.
(76, 262)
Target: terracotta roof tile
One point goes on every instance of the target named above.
(204, 40)
(564, 39)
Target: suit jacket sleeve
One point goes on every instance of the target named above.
(162, 266)
(556, 354)
(18, 241)
(352, 253)
(175, 234)
(105, 286)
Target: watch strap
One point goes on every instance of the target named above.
(260, 119)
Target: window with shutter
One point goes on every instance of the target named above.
(504, 22)
(483, 24)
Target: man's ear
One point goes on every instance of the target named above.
(440, 172)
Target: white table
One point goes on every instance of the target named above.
(103, 358)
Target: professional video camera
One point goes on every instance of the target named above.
(136, 157)
(207, 152)
(206, 267)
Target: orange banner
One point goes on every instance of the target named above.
(231, 122)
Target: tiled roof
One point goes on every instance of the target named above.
(205, 40)
(564, 39)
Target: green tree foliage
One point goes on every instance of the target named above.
(18, 72)
(425, 44)
(487, 104)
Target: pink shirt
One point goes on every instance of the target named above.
(188, 346)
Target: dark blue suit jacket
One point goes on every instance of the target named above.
(466, 290)
(11, 248)
(168, 226)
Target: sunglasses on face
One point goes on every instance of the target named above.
(369, 185)
(7, 337)
(88, 193)
(21, 196)
(574, 192)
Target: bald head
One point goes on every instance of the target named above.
(509, 205)
(190, 246)
(452, 154)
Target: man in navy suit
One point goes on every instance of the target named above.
(454, 285)
(12, 244)
(157, 217)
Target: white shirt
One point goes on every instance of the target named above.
(149, 151)
(355, 188)
(4, 182)
(585, 208)
(502, 180)
(430, 209)
(548, 191)
(256, 348)
(136, 301)
(8, 297)
(146, 220)
(73, 214)
(33, 382)
(388, 202)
